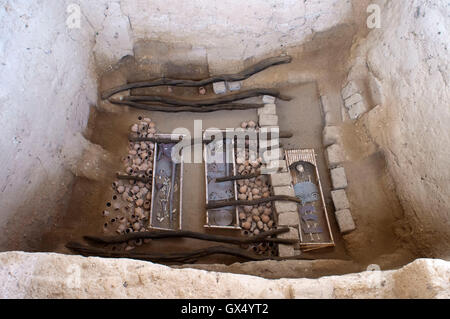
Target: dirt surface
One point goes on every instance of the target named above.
(110, 131)
(317, 68)
(379, 217)
(109, 127)
(303, 117)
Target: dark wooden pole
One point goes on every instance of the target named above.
(205, 103)
(258, 67)
(158, 107)
(225, 203)
(176, 256)
(262, 237)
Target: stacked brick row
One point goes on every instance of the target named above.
(335, 156)
(286, 213)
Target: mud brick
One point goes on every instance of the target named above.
(350, 89)
(291, 234)
(234, 86)
(285, 250)
(285, 206)
(268, 120)
(267, 99)
(273, 155)
(280, 164)
(338, 178)
(355, 98)
(264, 144)
(219, 87)
(275, 166)
(269, 109)
(345, 220)
(331, 135)
(283, 190)
(280, 179)
(357, 109)
(335, 155)
(340, 199)
(288, 219)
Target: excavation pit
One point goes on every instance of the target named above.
(111, 132)
(359, 99)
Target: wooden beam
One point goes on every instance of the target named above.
(248, 72)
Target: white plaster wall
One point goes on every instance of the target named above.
(45, 92)
(410, 57)
(227, 29)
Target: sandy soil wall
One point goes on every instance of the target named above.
(46, 88)
(409, 57)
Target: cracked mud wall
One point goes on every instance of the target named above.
(409, 58)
